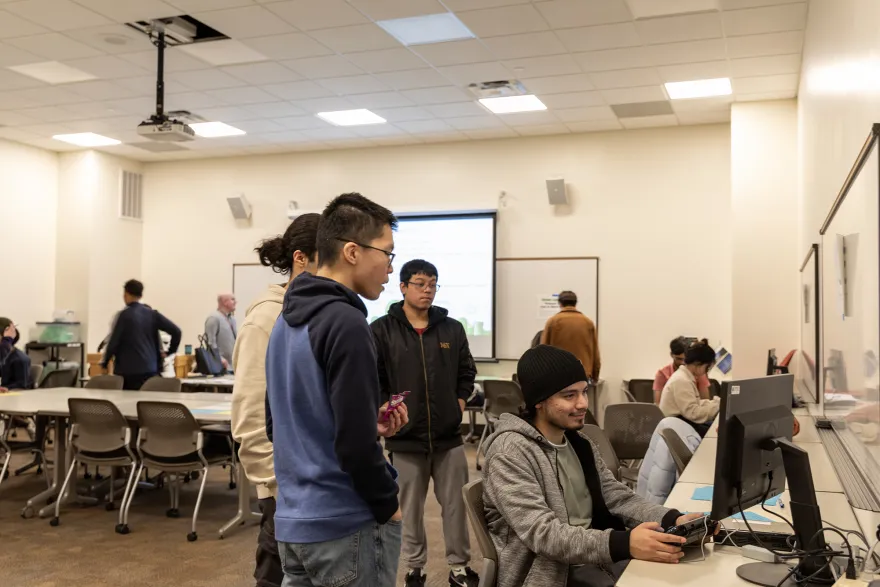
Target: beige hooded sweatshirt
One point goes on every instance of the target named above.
(249, 391)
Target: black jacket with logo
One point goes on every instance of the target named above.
(436, 368)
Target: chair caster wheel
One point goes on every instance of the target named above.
(122, 529)
(51, 500)
(232, 485)
(39, 470)
(87, 475)
(173, 513)
(195, 475)
(98, 477)
(54, 522)
(186, 478)
(27, 512)
(110, 506)
(192, 537)
(479, 467)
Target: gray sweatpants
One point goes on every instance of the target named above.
(449, 470)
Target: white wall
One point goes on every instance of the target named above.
(28, 207)
(653, 204)
(766, 251)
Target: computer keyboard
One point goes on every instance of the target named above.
(773, 540)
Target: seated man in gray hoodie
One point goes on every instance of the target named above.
(556, 514)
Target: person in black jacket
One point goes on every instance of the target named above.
(134, 343)
(424, 351)
(15, 366)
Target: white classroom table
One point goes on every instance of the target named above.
(808, 431)
(221, 384)
(207, 409)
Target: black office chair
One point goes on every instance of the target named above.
(629, 428)
(642, 390)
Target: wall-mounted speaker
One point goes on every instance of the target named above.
(556, 192)
(240, 207)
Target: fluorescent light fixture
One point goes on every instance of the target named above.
(212, 130)
(701, 88)
(512, 104)
(351, 117)
(423, 30)
(87, 139)
(53, 72)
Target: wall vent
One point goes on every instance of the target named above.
(131, 196)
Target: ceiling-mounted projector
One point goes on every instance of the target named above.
(159, 126)
(172, 131)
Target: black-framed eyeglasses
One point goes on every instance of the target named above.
(423, 286)
(363, 246)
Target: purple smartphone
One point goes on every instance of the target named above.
(396, 400)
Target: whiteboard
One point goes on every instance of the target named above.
(249, 282)
(522, 283)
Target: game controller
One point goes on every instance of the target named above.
(694, 531)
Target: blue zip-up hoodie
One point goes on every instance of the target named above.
(322, 403)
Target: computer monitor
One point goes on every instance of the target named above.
(771, 362)
(754, 456)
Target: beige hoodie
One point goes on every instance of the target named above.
(249, 392)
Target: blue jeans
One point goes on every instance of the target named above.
(367, 558)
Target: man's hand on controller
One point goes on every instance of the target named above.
(647, 542)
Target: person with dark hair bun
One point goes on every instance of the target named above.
(289, 254)
(677, 348)
(681, 397)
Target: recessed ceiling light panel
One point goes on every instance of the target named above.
(423, 30)
(512, 104)
(53, 72)
(212, 130)
(701, 88)
(87, 139)
(357, 117)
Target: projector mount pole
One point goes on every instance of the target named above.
(159, 29)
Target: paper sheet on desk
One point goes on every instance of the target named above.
(705, 494)
(216, 409)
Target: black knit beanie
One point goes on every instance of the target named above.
(545, 370)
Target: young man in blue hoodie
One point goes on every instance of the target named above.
(337, 520)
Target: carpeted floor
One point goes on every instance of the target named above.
(84, 551)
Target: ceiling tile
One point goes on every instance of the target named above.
(378, 130)
(308, 15)
(18, 118)
(674, 29)
(15, 26)
(262, 73)
(502, 132)
(755, 66)
(764, 84)
(242, 96)
(525, 45)
(245, 22)
(290, 46)
(45, 114)
(529, 118)
(455, 53)
(227, 114)
(275, 110)
(597, 38)
(543, 129)
(10, 56)
(475, 122)
(327, 132)
(399, 59)
(192, 101)
(463, 75)
(297, 90)
(563, 14)
(408, 114)
(46, 96)
(108, 67)
(355, 84)
(573, 100)
(559, 84)
(391, 9)
(207, 79)
(191, 6)
(632, 95)
(772, 19)
(625, 78)
(702, 104)
(131, 10)
(94, 110)
(227, 52)
(329, 104)
(687, 52)
(762, 96)
(611, 59)
(542, 66)
(175, 60)
(442, 95)
(459, 5)
(10, 80)
(320, 67)
(381, 100)
(101, 90)
(113, 39)
(737, 4)
(650, 121)
(594, 125)
(413, 79)
(444, 137)
(585, 114)
(422, 126)
(140, 107)
(769, 44)
(57, 15)
(640, 109)
(643, 9)
(704, 117)
(459, 109)
(54, 46)
(363, 37)
(694, 71)
(508, 20)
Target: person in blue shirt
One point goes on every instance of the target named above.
(337, 520)
(15, 366)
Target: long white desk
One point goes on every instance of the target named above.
(207, 409)
(807, 433)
